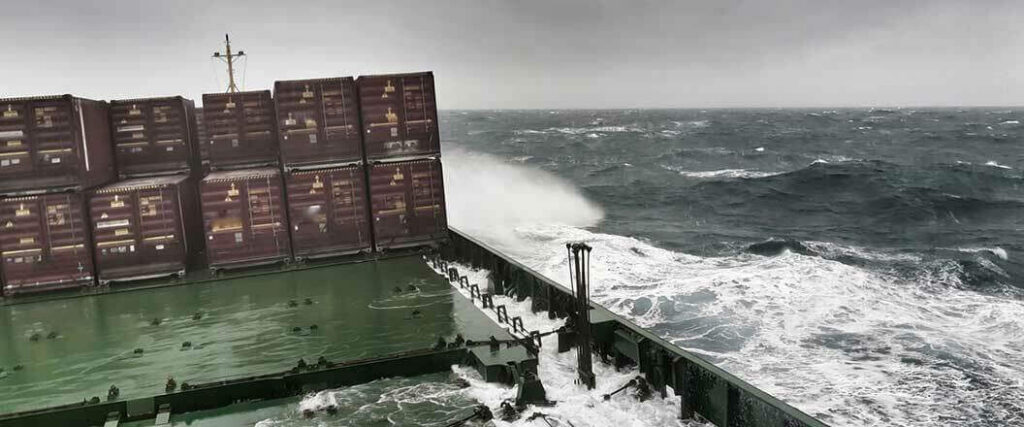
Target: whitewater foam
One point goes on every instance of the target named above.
(997, 251)
(575, 404)
(727, 173)
(846, 344)
(996, 165)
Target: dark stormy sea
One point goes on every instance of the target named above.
(864, 265)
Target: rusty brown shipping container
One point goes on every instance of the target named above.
(244, 218)
(57, 142)
(240, 129)
(318, 121)
(44, 241)
(154, 136)
(328, 212)
(407, 201)
(144, 228)
(399, 116)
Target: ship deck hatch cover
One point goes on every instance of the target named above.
(236, 327)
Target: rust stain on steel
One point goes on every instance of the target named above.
(44, 243)
(244, 217)
(407, 203)
(144, 227)
(54, 142)
(399, 115)
(154, 135)
(240, 129)
(318, 120)
(328, 211)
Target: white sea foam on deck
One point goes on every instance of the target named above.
(557, 371)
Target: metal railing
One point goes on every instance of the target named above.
(704, 388)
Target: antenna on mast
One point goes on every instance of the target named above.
(229, 58)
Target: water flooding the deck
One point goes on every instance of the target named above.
(236, 327)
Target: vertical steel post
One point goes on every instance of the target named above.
(580, 259)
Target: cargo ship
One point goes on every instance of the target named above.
(165, 264)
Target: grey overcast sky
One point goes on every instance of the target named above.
(535, 54)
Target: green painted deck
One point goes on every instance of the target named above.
(246, 329)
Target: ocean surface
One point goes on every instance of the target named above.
(864, 265)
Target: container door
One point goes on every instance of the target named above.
(428, 210)
(131, 140)
(388, 192)
(67, 237)
(115, 232)
(226, 221)
(267, 231)
(300, 121)
(161, 239)
(328, 211)
(419, 109)
(307, 203)
(21, 242)
(258, 119)
(44, 243)
(170, 135)
(379, 99)
(224, 128)
(54, 138)
(348, 208)
(15, 147)
(341, 119)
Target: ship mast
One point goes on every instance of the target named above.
(230, 60)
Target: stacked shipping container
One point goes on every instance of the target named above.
(240, 130)
(318, 121)
(144, 228)
(408, 203)
(244, 218)
(49, 143)
(322, 153)
(328, 212)
(360, 159)
(244, 214)
(402, 140)
(51, 150)
(399, 114)
(44, 243)
(141, 226)
(154, 136)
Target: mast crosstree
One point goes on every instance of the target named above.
(229, 59)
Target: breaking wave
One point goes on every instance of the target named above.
(486, 195)
(815, 323)
(847, 344)
(726, 173)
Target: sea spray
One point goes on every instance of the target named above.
(486, 195)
